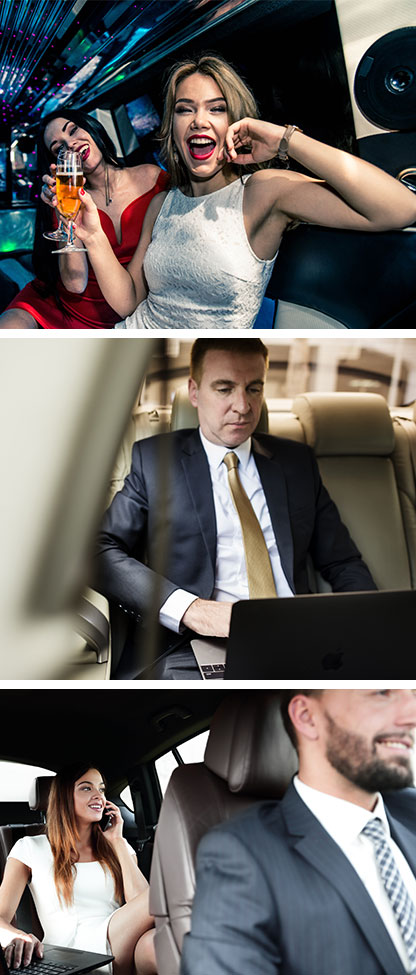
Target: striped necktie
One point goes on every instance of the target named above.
(401, 902)
(259, 571)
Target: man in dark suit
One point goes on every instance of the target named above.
(300, 886)
(177, 501)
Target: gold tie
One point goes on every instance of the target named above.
(259, 571)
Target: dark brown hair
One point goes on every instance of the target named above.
(238, 346)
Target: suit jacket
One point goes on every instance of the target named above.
(159, 533)
(275, 895)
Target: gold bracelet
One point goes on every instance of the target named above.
(282, 153)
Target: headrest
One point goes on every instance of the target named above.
(184, 415)
(345, 423)
(248, 746)
(39, 792)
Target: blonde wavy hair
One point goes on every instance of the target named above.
(62, 833)
(239, 99)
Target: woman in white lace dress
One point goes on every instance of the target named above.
(208, 246)
(88, 890)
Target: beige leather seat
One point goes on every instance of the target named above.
(353, 438)
(404, 459)
(248, 757)
(145, 421)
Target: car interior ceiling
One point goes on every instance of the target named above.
(120, 728)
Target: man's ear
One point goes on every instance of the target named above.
(193, 391)
(302, 715)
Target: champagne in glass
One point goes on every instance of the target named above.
(67, 186)
(60, 234)
(69, 180)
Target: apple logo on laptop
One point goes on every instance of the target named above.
(333, 661)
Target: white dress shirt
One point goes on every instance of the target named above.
(231, 581)
(344, 821)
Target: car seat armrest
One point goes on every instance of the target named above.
(92, 624)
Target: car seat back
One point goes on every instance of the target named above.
(248, 757)
(353, 439)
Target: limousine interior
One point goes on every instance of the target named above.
(71, 410)
(217, 746)
(343, 70)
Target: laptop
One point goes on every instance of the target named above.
(210, 657)
(58, 961)
(330, 636)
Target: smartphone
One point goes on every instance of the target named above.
(105, 822)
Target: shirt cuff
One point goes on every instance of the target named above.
(170, 614)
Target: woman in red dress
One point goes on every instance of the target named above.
(65, 293)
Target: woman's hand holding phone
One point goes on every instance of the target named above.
(112, 821)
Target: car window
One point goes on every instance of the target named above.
(16, 780)
(189, 751)
(308, 364)
(127, 798)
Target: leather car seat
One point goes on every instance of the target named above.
(404, 459)
(342, 279)
(26, 916)
(353, 439)
(248, 758)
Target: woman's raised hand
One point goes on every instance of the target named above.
(115, 828)
(20, 949)
(256, 141)
(48, 192)
(87, 224)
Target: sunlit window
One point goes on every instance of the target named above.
(189, 751)
(16, 780)
(304, 364)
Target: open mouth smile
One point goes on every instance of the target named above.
(201, 147)
(84, 151)
(397, 744)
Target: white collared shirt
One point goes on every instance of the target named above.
(344, 821)
(231, 581)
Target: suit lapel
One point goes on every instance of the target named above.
(314, 844)
(405, 840)
(274, 485)
(196, 470)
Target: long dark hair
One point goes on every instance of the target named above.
(46, 266)
(62, 834)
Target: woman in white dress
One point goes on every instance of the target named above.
(88, 890)
(207, 247)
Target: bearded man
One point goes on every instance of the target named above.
(324, 881)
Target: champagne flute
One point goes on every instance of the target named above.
(69, 180)
(60, 234)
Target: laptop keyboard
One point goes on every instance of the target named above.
(42, 968)
(212, 670)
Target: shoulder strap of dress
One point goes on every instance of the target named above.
(163, 180)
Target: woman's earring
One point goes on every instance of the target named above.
(175, 154)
